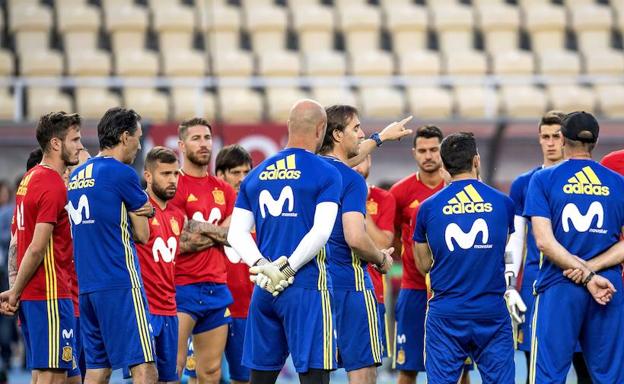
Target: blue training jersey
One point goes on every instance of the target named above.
(282, 193)
(346, 269)
(518, 193)
(101, 192)
(466, 225)
(584, 202)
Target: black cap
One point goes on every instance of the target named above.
(580, 126)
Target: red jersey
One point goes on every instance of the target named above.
(614, 161)
(241, 288)
(41, 198)
(409, 193)
(380, 205)
(158, 259)
(74, 289)
(210, 200)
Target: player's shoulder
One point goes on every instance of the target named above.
(380, 193)
(524, 178)
(404, 183)
(615, 156)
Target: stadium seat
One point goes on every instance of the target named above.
(475, 102)
(88, 63)
(361, 27)
(280, 100)
(232, 63)
(610, 100)
(419, 63)
(371, 63)
(267, 27)
(136, 63)
(608, 62)
(7, 106)
(546, 26)
(30, 24)
(175, 26)
(522, 101)
(188, 102)
(332, 95)
(513, 63)
(40, 101)
(325, 63)
(569, 98)
(429, 102)
(222, 26)
(127, 25)
(147, 102)
(183, 63)
(41, 63)
(592, 24)
(79, 26)
(559, 63)
(278, 63)
(314, 26)
(240, 105)
(7, 66)
(91, 103)
(500, 25)
(465, 63)
(408, 26)
(453, 24)
(381, 102)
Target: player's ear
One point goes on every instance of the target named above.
(147, 175)
(476, 161)
(55, 144)
(337, 135)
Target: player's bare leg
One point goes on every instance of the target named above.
(49, 376)
(208, 347)
(74, 380)
(238, 382)
(407, 377)
(145, 373)
(185, 326)
(98, 376)
(366, 375)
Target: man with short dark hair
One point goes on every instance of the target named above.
(577, 222)
(464, 228)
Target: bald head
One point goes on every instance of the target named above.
(305, 116)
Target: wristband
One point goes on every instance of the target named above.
(287, 270)
(376, 138)
(588, 279)
(151, 215)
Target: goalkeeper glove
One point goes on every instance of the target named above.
(515, 305)
(273, 277)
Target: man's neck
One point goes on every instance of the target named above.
(338, 154)
(195, 170)
(430, 179)
(576, 154)
(161, 203)
(115, 152)
(309, 144)
(56, 164)
(550, 163)
(464, 176)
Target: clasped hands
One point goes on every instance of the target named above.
(599, 287)
(274, 276)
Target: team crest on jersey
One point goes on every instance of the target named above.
(400, 359)
(191, 198)
(585, 182)
(372, 207)
(467, 200)
(175, 226)
(67, 354)
(84, 179)
(283, 169)
(414, 204)
(219, 197)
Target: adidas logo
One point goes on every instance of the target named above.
(191, 198)
(467, 200)
(283, 169)
(83, 179)
(585, 182)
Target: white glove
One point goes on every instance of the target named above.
(515, 305)
(273, 277)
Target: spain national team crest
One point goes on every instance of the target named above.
(67, 354)
(400, 359)
(175, 227)
(371, 207)
(219, 197)
(190, 363)
(520, 336)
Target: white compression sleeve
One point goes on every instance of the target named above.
(515, 246)
(239, 236)
(316, 238)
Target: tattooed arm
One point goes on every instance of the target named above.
(193, 241)
(12, 260)
(217, 233)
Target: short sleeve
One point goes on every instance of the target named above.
(517, 196)
(537, 198)
(242, 201)
(50, 202)
(330, 187)
(355, 193)
(420, 232)
(386, 213)
(129, 188)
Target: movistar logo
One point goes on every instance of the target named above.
(465, 240)
(467, 200)
(283, 169)
(165, 251)
(585, 182)
(276, 207)
(83, 179)
(80, 214)
(582, 223)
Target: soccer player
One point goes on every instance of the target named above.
(202, 295)
(380, 211)
(350, 250)
(577, 221)
(292, 200)
(411, 304)
(464, 229)
(158, 256)
(614, 161)
(109, 212)
(232, 165)
(41, 291)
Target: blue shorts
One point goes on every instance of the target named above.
(49, 333)
(357, 329)
(524, 333)
(191, 363)
(409, 330)
(206, 303)
(566, 313)
(383, 331)
(299, 321)
(450, 341)
(234, 350)
(115, 326)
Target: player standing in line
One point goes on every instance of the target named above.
(292, 200)
(350, 249)
(109, 212)
(460, 239)
(202, 295)
(614, 161)
(522, 248)
(41, 291)
(576, 217)
(380, 210)
(158, 256)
